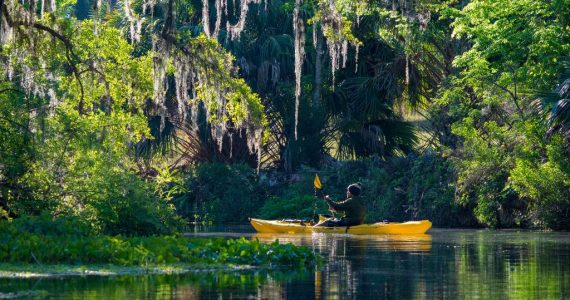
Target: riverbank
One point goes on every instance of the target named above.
(33, 252)
(31, 248)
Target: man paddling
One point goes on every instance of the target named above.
(353, 207)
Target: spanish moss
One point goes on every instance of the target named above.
(299, 30)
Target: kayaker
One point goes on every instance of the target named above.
(353, 207)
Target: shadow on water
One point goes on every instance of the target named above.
(455, 264)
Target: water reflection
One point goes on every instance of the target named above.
(346, 256)
(456, 264)
(320, 242)
(213, 285)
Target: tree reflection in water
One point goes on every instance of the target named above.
(346, 255)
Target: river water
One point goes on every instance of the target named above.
(444, 264)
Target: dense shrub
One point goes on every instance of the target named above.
(133, 209)
(220, 193)
(512, 176)
(415, 187)
(400, 189)
(485, 187)
(406, 188)
(112, 199)
(292, 206)
(47, 225)
(545, 186)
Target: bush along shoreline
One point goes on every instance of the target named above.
(414, 187)
(398, 189)
(67, 242)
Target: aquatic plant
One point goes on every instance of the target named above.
(24, 242)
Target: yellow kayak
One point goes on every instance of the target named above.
(277, 226)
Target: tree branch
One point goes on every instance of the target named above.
(514, 96)
(12, 90)
(14, 123)
(71, 57)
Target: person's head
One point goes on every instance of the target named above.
(353, 190)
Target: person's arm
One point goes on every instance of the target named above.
(337, 205)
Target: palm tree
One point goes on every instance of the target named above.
(356, 118)
(176, 135)
(556, 105)
(363, 119)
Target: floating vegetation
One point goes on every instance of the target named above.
(26, 242)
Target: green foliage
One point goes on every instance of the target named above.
(505, 174)
(504, 177)
(76, 159)
(15, 137)
(546, 185)
(399, 189)
(47, 225)
(402, 189)
(289, 206)
(26, 241)
(483, 169)
(79, 96)
(556, 105)
(499, 30)
(75, 103)
(221, 193)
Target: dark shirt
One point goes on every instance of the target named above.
(354, 209)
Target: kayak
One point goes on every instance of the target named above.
(293, 226)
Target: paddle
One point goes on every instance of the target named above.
(318, 190)
(318, 186)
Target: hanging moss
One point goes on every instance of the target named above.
(299, 30)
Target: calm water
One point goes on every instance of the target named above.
(452, 264)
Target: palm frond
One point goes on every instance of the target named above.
(160, 141)
(556, 106)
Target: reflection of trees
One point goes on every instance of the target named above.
(350, 260)
(513, 265)
(256, 284)
(338, 273)
(346, 257)
(458, 264)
